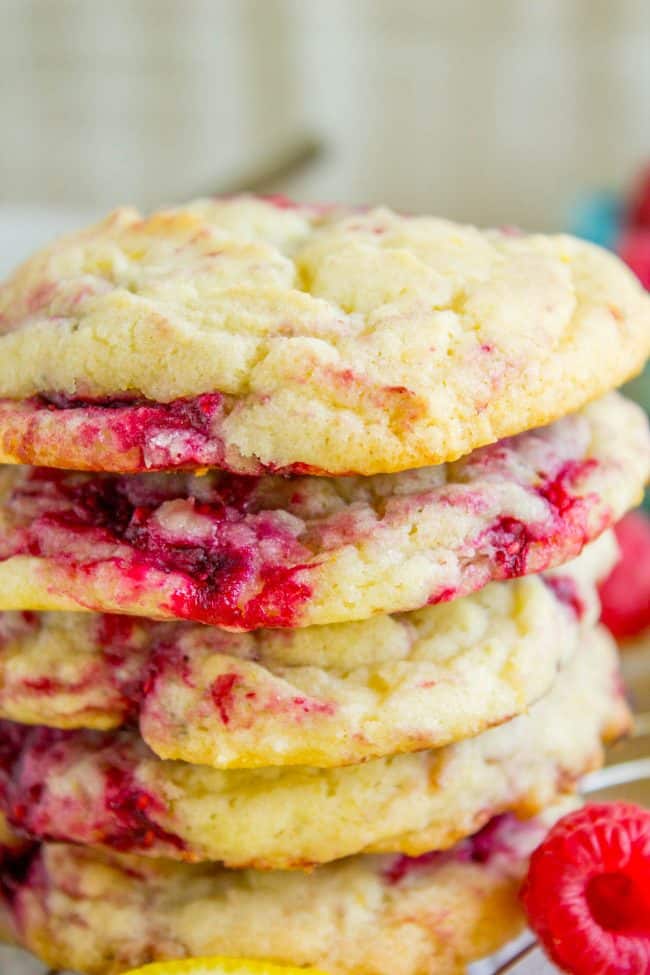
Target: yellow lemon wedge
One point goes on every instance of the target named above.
(220, 966)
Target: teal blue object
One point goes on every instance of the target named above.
(597, 216)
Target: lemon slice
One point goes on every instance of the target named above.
(220, 966)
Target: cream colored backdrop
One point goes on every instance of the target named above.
(490, 110)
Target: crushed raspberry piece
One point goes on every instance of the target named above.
(625, 594)
(404, 865)
(19, 869)
(498, 837)
(130, 824)
(228, 563)
(280, 201)
(223, 695)
(566, 591)
(587, 894)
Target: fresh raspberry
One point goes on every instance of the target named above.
(633, 247)
(638, 210)
(587, 894)
(625, 594)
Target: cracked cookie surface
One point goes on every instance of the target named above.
(251, 335)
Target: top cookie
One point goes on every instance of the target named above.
(303, 339)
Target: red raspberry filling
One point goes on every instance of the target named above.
(125, 819)
(500, 836)
(246, 550)
(125, 434)
(566, 591)
(20, 869)
(513, 540)
(625, 595)
(182, 434)
(587, 894)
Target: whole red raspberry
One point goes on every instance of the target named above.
(638, 210)
(633, 247)
(587, 894)
(625, 594)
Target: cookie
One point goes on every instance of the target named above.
(108, 789)
(244, 553)
(374, 915)
(320, 696)
(254, 336)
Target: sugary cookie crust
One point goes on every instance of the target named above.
(108, 788)
(329, 340)
(319, 696)
(100, 913)
(244, 553)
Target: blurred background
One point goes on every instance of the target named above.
(504, 111)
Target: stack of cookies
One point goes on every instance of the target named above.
(302, 517)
